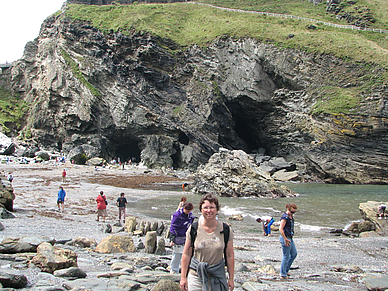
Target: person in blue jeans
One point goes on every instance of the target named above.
(267, 221)
(286, 239)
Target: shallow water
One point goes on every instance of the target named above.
(320, 206)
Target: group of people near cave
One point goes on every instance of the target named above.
(204, 248)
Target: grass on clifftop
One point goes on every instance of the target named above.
(189, 23)
(378, 9)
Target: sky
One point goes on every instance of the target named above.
(20, 23)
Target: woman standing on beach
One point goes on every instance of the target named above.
(286, 234)
(101, 206)
(209, 244)
(183, 201)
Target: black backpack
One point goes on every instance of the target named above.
(225, 231)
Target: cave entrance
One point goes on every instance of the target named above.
(129, 150)
(177, 162)
(250, 122)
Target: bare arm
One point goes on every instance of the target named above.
(230, 262)
(281, 230)
(186, 256)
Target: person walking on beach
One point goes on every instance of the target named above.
(10, 177)
(208, 249)
(183, 201)
(61, 199)
(121, 203)
(101, 206)
(181, 220)
(64, 176)
(267, 221)
(286, 239)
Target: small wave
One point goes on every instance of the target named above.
(267, 211)
(312, 228)
(226, 210)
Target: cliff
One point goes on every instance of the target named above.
(114, 95)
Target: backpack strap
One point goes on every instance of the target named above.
(193, 234)
(226, 232)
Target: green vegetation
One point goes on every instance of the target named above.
(177, 111)
(378, 9)
(12, 110)
(337, 100)
(77, 72)
(188, 23)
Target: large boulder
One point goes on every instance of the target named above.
(50, 258)
(235, 173)
(6, 194)
(116, 244)
(11, 280)
(166, 285)
(13, 245)
(96, 161)
(369, 212)
(7, 147)
(150, 242)
(130, 224)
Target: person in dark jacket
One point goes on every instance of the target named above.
(286, 230)
(181, 220)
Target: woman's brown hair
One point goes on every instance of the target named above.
(211, 198)
(291, 205)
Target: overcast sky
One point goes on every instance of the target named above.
(20, 23)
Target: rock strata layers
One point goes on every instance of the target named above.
(135, 99)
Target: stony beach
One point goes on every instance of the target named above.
(333, 263)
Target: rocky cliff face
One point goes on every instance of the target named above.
(128, 96)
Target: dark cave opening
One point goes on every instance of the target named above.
(177, 157)
(129, 150)
(183, 138)
(249, 118)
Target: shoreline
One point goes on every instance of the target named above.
(257, 257)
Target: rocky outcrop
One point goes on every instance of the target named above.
(6, 195)
(369, 212)
(7, 147)
(131, 97)
(235, 174)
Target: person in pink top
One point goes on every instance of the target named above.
(101, 206)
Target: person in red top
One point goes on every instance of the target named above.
(64, 175)
(101, 206)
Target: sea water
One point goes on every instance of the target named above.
(321, 207)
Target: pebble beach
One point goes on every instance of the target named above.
(332, 263)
